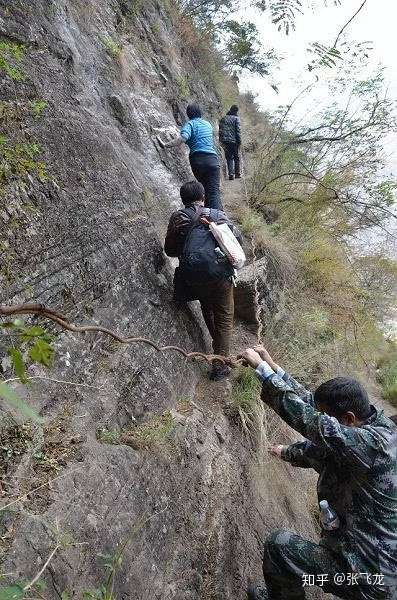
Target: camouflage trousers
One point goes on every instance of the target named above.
(290, 563)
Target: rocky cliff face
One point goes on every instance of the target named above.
(142, 456)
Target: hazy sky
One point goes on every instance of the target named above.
(376, 23)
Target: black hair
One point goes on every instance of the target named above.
(193, 111)
(191, 192)
(233, 110)
(342, 395)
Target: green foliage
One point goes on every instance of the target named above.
(245, 403)
(112, 47)
(41, 352)
(155, 27)
(324, 57)
(18, 160)
(31, 343)
(283, 12)
(238, 38)
(246, 388)
(18, 363)
(243, 52)
(108, 436)
(12, 592)
(183, 87)
(155, 432)
(112, 564)
(131, 9)
(11, 56)
(38, 107)
(12, 399)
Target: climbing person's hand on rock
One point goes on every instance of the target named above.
(276, 451)
(253, 358)
(160, 141)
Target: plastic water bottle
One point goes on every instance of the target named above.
(328, 518)
(219, 253)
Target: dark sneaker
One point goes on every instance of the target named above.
(231, 177)
(219, 372)
(238, 176)
(257, 592)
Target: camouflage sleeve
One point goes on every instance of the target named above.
(355, 445)
(299, 388)
(305, 455)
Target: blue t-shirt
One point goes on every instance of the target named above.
(199, 136)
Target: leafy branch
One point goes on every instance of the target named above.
(30, 343)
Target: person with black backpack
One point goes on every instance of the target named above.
(204, 272)
(230, 138)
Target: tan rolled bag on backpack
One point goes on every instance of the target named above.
(228, 243)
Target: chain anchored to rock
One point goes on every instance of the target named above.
(61, 320)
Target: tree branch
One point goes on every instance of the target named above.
(40, 309)
(346, 25)
(370, 123)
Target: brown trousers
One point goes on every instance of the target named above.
(217, 305)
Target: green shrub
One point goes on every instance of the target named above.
(37, 107)
(112, 47)
(108, 436)
(245, 402)
(18, 161)
(183, 86)
(155, 432)
(11, 56)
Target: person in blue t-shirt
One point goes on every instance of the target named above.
(199, 136)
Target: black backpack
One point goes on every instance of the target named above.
(199, 263)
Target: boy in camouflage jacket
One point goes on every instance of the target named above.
(353, 446)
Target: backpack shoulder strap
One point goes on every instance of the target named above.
(193, 216)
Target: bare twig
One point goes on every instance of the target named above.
(38, 488)
(346, 25)
(43, 568)
(54, 381)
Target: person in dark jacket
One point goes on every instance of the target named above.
(353, 447)
(216, 297)
(199, 136)
(230, 138)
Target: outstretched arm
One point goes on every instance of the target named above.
(354, 445)
(305, 455)
(298, 387)
(178, 141)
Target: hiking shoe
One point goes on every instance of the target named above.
(257, 592)
(219, 372)
(231, 177)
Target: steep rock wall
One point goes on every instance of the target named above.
(192, 498)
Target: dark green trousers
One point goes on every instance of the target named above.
(217, 305)
(290, 563)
